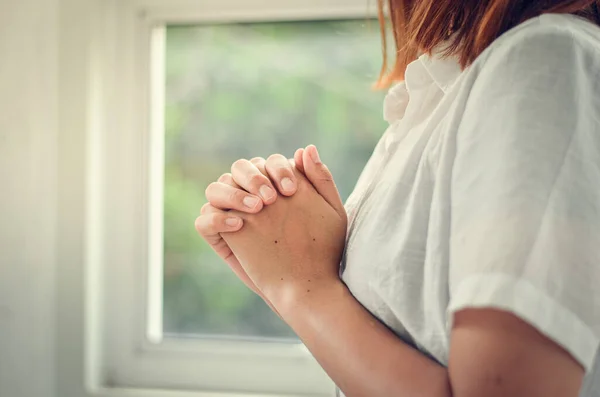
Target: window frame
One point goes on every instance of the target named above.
(119, 152)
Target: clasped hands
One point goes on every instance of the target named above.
(280, 225)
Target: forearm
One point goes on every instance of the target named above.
(360, 354)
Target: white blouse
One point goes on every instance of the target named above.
(485, 192)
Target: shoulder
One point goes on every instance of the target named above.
(557, 41)
(537, 83)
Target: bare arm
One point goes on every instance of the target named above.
(493, 353)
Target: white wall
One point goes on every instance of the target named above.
(28, 191)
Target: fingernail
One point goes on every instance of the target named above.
(314, 154)
(251, 202)
(288, 185)
(266, 192)
(233, 222)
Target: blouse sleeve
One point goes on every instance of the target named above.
(525, 207)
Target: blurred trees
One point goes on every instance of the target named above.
(246, 90)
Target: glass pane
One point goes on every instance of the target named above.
(245, 90)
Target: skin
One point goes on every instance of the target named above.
(287, 249)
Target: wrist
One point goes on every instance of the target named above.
(300, 297)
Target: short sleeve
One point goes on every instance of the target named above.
(525, 190)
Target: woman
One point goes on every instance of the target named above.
(472, 255)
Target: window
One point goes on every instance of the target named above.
(245, 90)
(179, 90)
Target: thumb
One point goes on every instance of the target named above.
(319, 175)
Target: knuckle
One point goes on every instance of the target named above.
(325, 171)
(257, 180)
(227, 177)
(236, 196)
(204, 225)
(326, 177)
(205, 208)
(238, 164)
(198, 224)
(210, 189)
(257, 160)
(215, 222)
(275, 158)
(278, 165)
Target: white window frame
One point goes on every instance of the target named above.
(107, 65)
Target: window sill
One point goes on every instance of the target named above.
(125, 392)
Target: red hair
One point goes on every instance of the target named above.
(420, 25)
